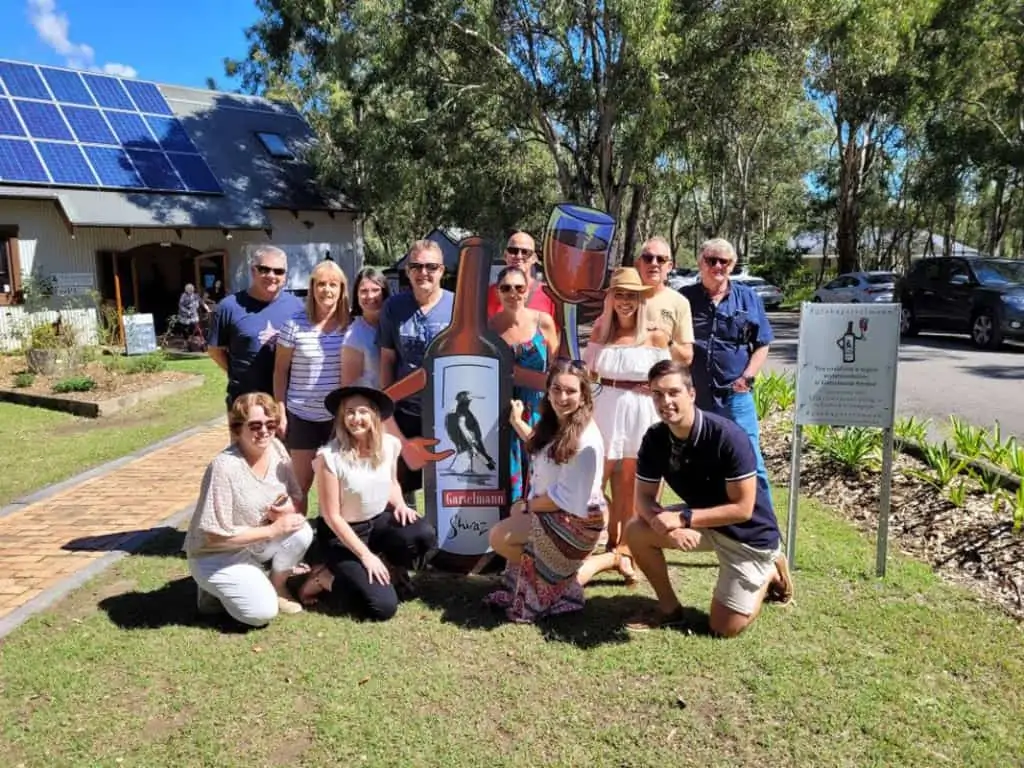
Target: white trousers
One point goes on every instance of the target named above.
(239, 580)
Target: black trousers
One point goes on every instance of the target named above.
(400, 545)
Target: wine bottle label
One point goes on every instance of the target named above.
(469, 496)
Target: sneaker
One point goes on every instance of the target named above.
(654, 618)
(207, 602)
(287, 605)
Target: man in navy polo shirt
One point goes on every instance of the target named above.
(707, 460)
(243, 336)
(731, 337)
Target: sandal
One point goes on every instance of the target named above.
(654, 618)
(782, 589)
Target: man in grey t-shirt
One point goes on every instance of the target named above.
(409, 321)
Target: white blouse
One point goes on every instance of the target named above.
(576, 485)
(364, 489)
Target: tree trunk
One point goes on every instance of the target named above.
(632, 222)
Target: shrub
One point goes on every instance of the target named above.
(154, 362)
(24, 379)
(75, 384)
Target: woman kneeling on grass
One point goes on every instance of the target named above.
(250, 512)
(362, 511)
(548, 537)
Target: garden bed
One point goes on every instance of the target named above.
(964, 531)
(116, 383)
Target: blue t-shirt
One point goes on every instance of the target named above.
(698, 469)
(405, 328)
(248, 329)
(724, 338)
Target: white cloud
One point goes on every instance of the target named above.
(52, 27)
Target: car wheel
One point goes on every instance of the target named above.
(984, 331)
(908, 322)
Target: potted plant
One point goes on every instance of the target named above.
(49, 348)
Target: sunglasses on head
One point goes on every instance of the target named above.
(263, 269)
(418, 266)
(513, 251)
(257, 426)
(650, 258)
(508, 288)
(716, 261)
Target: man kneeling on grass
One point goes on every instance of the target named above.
(707, 460)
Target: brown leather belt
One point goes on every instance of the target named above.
(621, 384)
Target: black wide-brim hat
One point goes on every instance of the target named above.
(385, 405)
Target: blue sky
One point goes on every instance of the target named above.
(179, 42)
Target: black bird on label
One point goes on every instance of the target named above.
(464, 432)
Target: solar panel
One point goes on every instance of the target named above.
(43, 120)
(18, 162)
(88, 125)
(66, 86)
(108, 92)
(9, 124)
(94, 130)
(23, 80)
(147, 97)
(66, 163)
(113, 167)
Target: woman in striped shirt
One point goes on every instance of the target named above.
(307, 367)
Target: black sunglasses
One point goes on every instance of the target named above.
(416, 266)
(513, 251)
(263, 269)
(650, 258)
(508, 288)
(716, 261)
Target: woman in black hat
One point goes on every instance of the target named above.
(370, 537)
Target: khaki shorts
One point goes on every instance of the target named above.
(742, 570)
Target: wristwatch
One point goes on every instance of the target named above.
(686, 515)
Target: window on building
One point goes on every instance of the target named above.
(274, 144)
(10, 267)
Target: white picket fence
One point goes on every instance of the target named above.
(15, 322)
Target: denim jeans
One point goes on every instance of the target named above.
(740, 407)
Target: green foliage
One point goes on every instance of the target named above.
(989, 479)
(154, 362)
(995, 450)
(774, 392)
(853, 448)
(958, 493)
(75, 384)
(24, 379)
(943, 465)
(1014, 503)
(910, 431)
(969, 441)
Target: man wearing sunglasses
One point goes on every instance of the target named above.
(732, 337)
(521, 252)
(243, 334)
(409, 321)
(666, 308)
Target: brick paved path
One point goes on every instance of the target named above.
(49, 541)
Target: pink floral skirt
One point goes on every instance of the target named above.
(543, 583)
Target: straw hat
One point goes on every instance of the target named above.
(627, 279)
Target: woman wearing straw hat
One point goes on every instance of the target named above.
(370, 537)
(620, 352)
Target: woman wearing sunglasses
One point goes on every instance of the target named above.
(534, 341)
(621, 351)
(370, 537)
(250, 512)
(549, 536)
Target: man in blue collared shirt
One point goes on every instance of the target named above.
(731, 338)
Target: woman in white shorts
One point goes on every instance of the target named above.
(620, 352)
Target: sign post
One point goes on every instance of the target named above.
(847, 356)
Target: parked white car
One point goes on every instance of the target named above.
(681, 277)
(770, 295)
(858, 288)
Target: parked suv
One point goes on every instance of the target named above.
(980, 296)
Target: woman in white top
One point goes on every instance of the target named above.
(250, 512)
(548, 537)
(307, 367)
(360, 355)
(620, 352)
(363, 516)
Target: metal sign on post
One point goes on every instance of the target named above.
(847, 355)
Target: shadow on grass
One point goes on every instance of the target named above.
(173, 605)
(601, 622)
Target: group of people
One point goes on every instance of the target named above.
(662, 396)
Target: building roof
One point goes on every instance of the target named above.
(223, 126)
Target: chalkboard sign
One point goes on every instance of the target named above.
(139, 334)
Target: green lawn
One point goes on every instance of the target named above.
(859, 672)
(42, 447)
